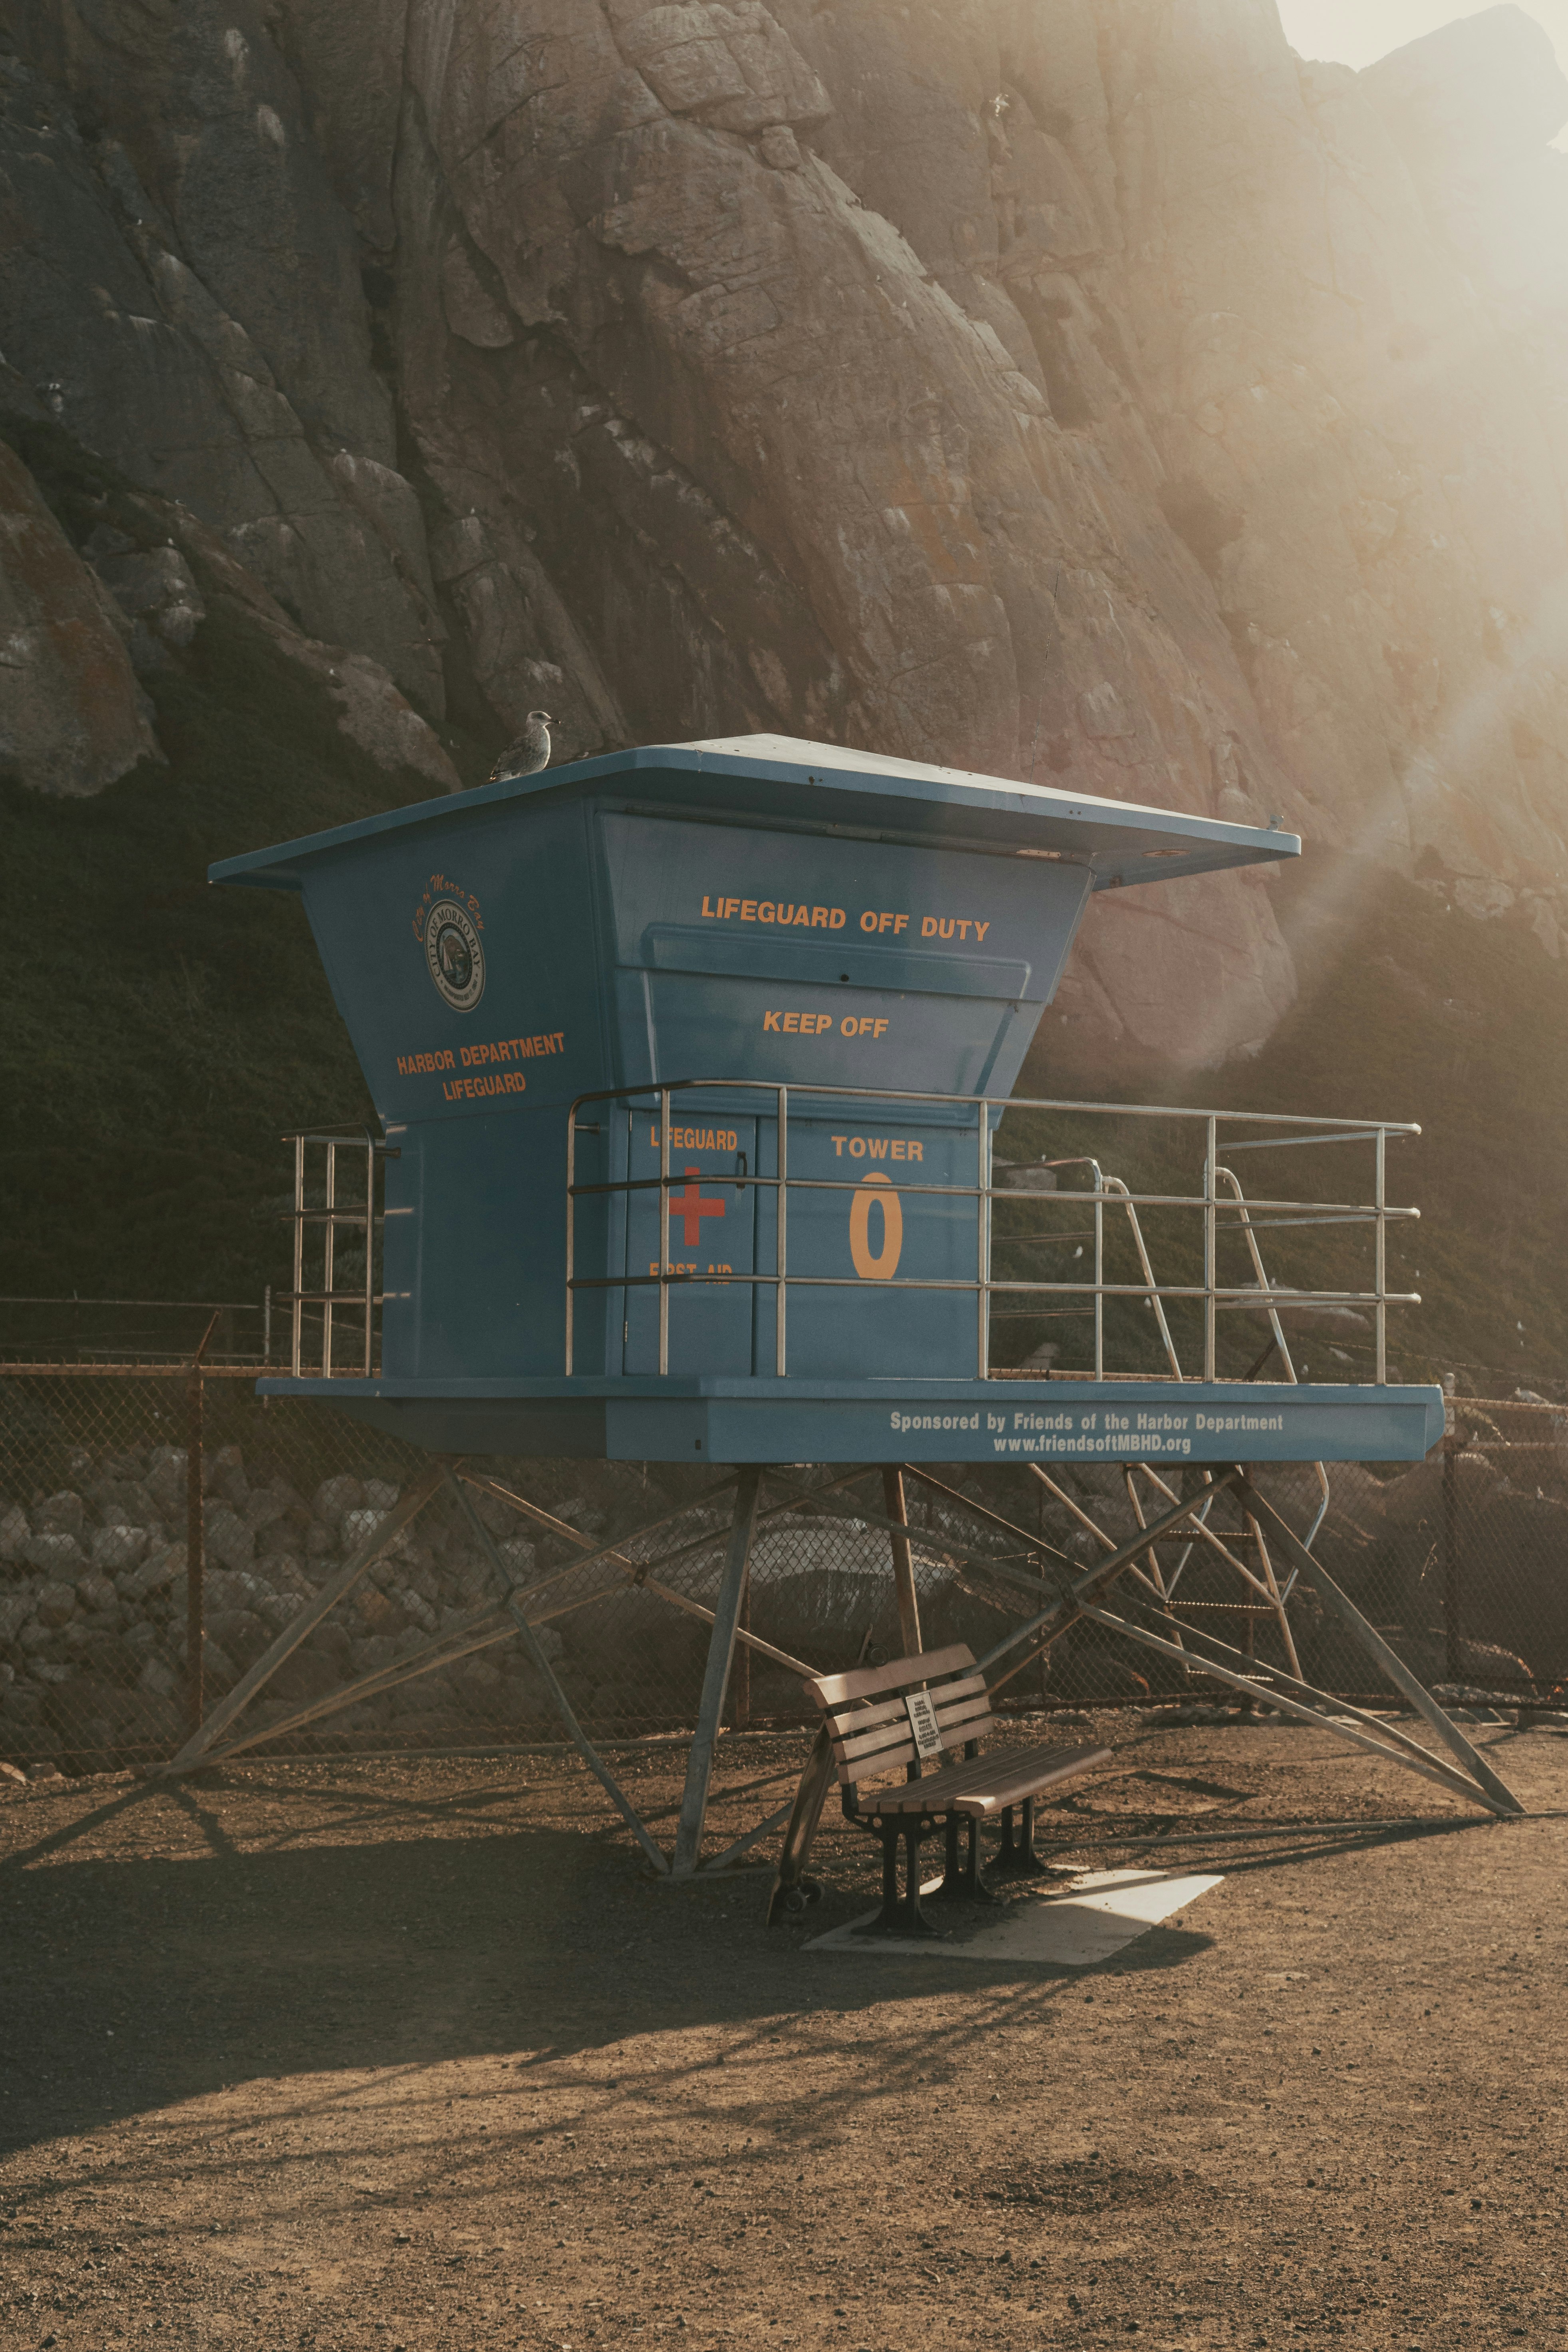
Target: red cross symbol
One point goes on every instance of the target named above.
(690, 1206)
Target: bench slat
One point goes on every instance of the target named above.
(964, 1787)
(969, 1772)
(844, 1721)
(952, 1699)
(864, 1682)
(867, 1768)
(892, 1743)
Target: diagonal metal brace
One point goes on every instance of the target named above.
(306, 1621)
(1310, 1709)
(1054, 1621)
(478, 1631)
(1342, 1710)
(543, 1666)
(1498, 1795)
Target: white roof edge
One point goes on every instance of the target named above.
(793, 751)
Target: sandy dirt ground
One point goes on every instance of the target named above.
(409, 2055)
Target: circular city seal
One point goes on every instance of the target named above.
(454, 954)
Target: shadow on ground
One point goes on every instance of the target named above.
(430, 1929)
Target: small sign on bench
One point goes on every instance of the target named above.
(926, 1731)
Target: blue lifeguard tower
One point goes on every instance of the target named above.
(691, 1064)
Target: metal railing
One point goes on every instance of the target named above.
(1225, 1212)
(321, 1208)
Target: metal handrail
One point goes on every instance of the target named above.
(364, 1298)
(1106, 1186)
(1217, 1297)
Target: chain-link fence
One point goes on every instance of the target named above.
(1479, 1535)
(160, 1530)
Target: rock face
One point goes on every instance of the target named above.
(71, 715)
(1083, 390)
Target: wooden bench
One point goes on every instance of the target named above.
(879, 1719)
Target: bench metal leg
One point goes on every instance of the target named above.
(897, 1917)
(1018, 1858)
(962, 1882)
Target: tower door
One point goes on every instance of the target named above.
(713, 1238)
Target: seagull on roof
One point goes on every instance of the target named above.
(529, 753)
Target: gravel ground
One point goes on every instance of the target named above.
(404, 2054)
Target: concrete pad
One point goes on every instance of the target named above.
(1073, 1927)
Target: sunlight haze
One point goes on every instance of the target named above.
(1357, 32)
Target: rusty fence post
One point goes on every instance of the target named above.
(196, 1560)
(903, 1561)
(1453, 1631)
(741, 1674)
(1040, 1563)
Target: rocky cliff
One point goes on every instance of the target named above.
(1088, 390)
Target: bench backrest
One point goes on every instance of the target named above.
(868, 1718)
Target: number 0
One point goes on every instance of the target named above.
(885, 1263)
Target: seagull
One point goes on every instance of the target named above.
(529, 752)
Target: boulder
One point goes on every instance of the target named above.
(121, 1502)
(165, 1480)
(61, 1514)
(418, 1608)
(280, 1537)
(160, 1569)
(278, 1609)
(55, 1605)
(225, 1588)
(379, 1611)
(241, 1634)
(115, 1548)
(357, 1528)
(228, 1539)
(219, 1671)
(336, 1496)
(54, 1554)
(373, 1656)
(332, 1640)
(265, 1506)
(1416, 1499)
(16, 1608)
(222, 1475)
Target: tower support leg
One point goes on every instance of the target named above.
(716, 1678)
(903, 1561)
